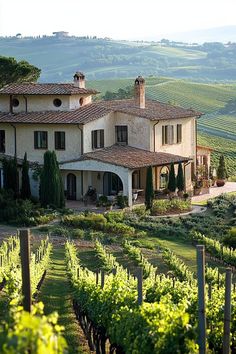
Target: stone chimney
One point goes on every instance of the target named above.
(139, 92)
(79, 80)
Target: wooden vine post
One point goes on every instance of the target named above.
(140, 285)
(201, 298)
(25, 268)
(227, 311)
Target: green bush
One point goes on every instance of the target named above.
(114, 216)
(140, 211)
(91, 220)
(59, 231)
(122, 201)
(161, 207)
(78, 233)
(119, 228)
(230, 239)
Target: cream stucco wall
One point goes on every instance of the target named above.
(25, 141)
(188, 145)
(138, 130)
(106, 123)
(37, 103)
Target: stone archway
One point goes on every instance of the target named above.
(112, 184)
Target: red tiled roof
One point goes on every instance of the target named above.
(154, 111)
(130, 157)
(82, 115)
(44, 89)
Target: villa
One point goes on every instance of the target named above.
(104, 144)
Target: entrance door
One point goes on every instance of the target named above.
(71, 186)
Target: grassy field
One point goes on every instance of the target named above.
(56, 294)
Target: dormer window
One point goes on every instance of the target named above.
(57, 102)
(81, 101)
(15, 102)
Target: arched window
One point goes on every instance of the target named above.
(164, 177)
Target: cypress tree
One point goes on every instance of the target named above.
(149, 193)
(10, 175)
(180, 178)
(51, 187)
(221, 171)
(25, 190)
(172, 179)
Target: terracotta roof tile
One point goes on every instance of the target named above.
(154, 111)
(82, 115)
(44, 89)
(131, 157)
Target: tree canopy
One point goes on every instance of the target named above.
(12, 71)
(51, 186)
(149, 193)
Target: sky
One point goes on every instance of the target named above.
(120, 19)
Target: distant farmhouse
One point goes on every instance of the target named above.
(60, 34)
(104, 144)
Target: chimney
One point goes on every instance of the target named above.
(79, 80)
(139, 92)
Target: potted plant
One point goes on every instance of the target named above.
(221, 172)
(197, 187)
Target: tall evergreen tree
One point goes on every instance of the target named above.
(149, 193)
(51, 188)
(180, 178)
(172, 179)
(221, 170)
(10, 175)
(25, 189)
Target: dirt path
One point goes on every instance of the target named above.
(56, 294)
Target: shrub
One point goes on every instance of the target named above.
(78, 233)
(60, 231)
(230, 239)
(119, 228)
(122, 201)
(161, 207)
(114, 216)
(92, 220)
(140, 211)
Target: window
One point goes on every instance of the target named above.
(57, 102)
(2, 140)
(97, 139)
(81, 101)
(167, 134)
(60, 141)
(179, 133)
(122, 134)
(15, 102)
(40, 140)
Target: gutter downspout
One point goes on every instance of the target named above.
(82, 151)
(154, 148)
(26, 104)
(15, 148)
(154, 136)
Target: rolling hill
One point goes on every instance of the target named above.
(59, 58)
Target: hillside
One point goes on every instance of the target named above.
(106, 58)
(217, 102)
